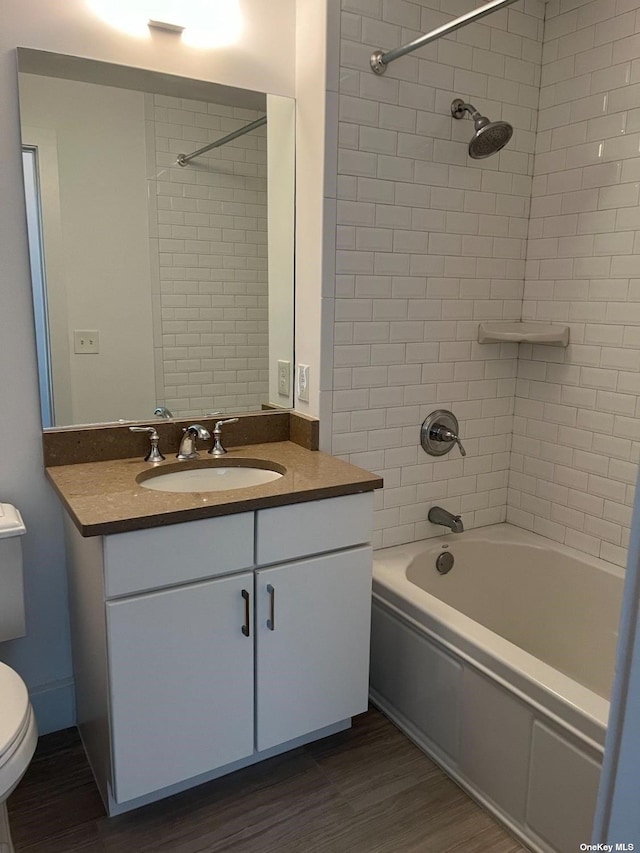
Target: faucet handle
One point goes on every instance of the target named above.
(154, 454)
(219, 424)
(218, 449)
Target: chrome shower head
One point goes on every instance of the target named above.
(489, 136)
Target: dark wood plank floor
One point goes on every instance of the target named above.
(364, 790)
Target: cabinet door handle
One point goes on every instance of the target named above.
(246, 626)
(271, 622)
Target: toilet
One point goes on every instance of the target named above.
(18, 729)
(18, 738)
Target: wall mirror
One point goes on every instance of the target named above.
(157, 286)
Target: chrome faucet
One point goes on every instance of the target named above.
(438, 515)
(188, 444)
(163, 412)
(218, 449)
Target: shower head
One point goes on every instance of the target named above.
(489, 136)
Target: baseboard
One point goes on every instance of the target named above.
(54, 705)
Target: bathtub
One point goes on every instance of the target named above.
(501, 671)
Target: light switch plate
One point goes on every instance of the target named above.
(284, 378)
(303, 383)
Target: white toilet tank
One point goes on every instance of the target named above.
(11, 586)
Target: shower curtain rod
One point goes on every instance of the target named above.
(380, 60)
(183, 159)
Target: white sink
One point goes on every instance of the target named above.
(212, 478)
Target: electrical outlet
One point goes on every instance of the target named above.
(303, 383)
(86, 341)
(284, 378)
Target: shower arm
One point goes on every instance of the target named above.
(459, 108)
(380, 60)
(183, 159)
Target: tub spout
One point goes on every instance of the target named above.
(438, 515)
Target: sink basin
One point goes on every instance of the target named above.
(217, 475)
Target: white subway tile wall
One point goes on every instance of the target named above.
(429, 243)
(576, 441)
(209, 252)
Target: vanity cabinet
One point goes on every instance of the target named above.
(204, 646)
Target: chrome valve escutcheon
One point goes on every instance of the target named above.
(439, 433)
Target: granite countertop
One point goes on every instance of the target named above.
(105, 497)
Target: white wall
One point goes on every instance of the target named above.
(104, 276)
(263, 59)
(313, 184)
(43, 656)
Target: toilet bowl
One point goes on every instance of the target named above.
(18, 737)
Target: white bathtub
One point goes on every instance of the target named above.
(501, 671)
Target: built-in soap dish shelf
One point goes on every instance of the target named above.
(551, 334)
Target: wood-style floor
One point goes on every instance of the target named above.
(364, 790)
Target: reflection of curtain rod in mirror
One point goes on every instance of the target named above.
(183, 159)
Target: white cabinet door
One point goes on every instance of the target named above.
(312, 628)
(181, 683)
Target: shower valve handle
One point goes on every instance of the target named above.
(439, 432)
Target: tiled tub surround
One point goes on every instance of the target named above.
(429, 243)
(208, 227)
(577, 426)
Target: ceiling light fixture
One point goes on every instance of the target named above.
(200, 23)
(163, 25)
